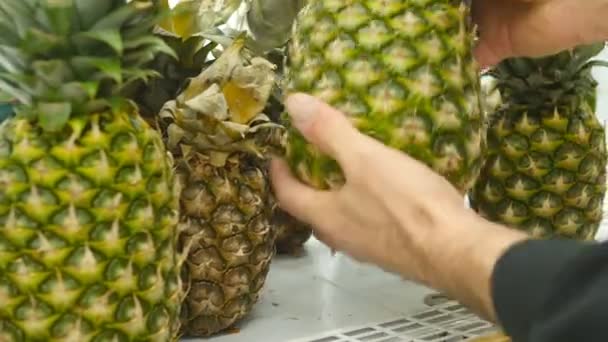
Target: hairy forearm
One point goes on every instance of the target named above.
(461, 265)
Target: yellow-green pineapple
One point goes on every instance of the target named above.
(88, 202)
(220, 140)
(402, 71)
(545, 169)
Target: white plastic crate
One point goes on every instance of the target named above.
(448, 322)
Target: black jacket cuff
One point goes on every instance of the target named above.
(522, 277)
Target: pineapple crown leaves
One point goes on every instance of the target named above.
(564, 77)
(194, 25)
(222, 108)
(191, 18)
(196, 42)
(271, 21)
(67, 57)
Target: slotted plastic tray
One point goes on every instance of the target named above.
(446, 322)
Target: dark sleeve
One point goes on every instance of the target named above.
(553, 291)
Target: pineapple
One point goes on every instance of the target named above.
(226, 199)
(545, 167)
(402, 71)
(221, 139)
(88, 202)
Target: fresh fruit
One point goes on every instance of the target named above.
(545, 169)
(220, 137)
(220, 151)
(88, 203)
(402, 71)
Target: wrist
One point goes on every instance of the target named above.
(463, 253)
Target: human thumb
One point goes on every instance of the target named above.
(321, 124)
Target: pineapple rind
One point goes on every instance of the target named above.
(545, 172)
(221, 141)
(87, 244)
(225, 221)
(545, 168)
(88, 202)
(402, 71)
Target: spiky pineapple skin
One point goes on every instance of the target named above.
(545, 169)
(545, 172)
(87, 232)
(402, 71)
(226, 223)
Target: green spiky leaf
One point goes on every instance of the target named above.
(64, 57)
(111, 37)
(116, 19)
(11, 59)
(20, 14)
(53, 72)
(140, 74)
(40, 42)
(8, 34)
(59, 14)
(15, 92)
(53, 116)
(90, 12)
(78, 92)
(24, 82)
(108, 67)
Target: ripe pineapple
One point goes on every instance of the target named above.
(545, 167)
(88, 205)
(220, 140)
(404, 73)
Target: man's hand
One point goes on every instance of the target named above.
(533, 28)
(384, 191)
(393, 211)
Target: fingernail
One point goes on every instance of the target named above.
(301, 107)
